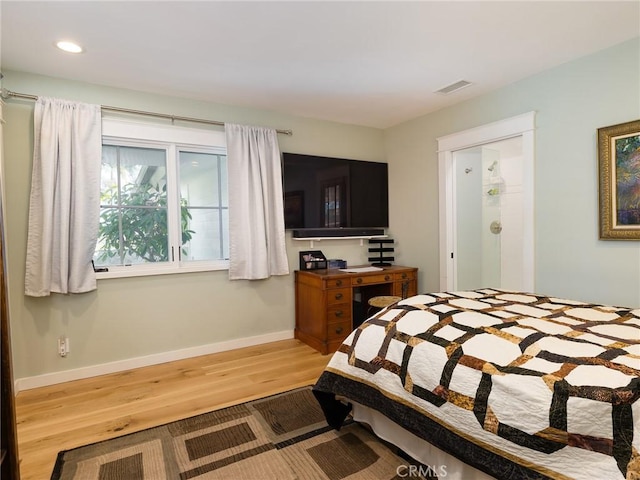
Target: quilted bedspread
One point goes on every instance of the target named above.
(518, 385)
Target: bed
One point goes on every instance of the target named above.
(496, 384)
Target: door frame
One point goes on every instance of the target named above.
(520, 125)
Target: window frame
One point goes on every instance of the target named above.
(126, 132)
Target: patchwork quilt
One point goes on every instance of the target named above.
(518, 385)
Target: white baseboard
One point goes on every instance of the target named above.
(27, 383)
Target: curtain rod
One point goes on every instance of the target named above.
(4, 93)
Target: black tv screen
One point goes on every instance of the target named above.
(334, 196)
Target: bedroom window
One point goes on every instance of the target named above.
(164, 205)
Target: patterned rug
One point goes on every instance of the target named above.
(280, 437)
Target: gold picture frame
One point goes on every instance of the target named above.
(619, 192)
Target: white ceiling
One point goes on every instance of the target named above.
(366, 63)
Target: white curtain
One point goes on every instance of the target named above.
(64, 208)
(257, 246)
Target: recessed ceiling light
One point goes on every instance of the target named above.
(69, 46)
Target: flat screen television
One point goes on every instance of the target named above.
(334, 197)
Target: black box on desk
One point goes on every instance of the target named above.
(337, 263)
(312, 260)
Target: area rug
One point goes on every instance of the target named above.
(281, 437)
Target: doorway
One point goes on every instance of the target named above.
(486, 206)
(487, 212)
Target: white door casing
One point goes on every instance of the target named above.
(521, 125)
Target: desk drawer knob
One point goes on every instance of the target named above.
(338, 296)
(404, 275)
(339, 313)
(339, 330)
(339, 283)
(359, 280)
(387, 278)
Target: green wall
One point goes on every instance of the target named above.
(571, 102)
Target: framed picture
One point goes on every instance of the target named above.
(619, 165)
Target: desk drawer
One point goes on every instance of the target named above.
(339, 295)
(372, 279)
(338, 282)
(398, 277)
(338, 331)
(339, 313)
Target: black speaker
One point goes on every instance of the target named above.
(383, 259)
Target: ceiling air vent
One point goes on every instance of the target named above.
(454, 87)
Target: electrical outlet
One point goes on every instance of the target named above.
(63, 346)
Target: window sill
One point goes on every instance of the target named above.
(151, 270)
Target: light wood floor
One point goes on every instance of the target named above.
(68, 415)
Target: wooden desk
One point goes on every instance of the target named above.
(331, 303)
